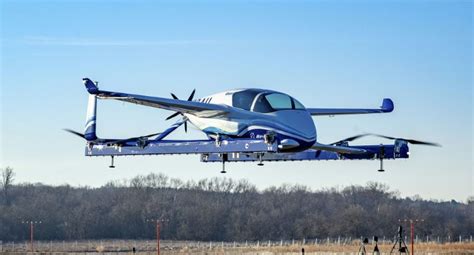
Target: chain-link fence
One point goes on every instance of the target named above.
(168, 245)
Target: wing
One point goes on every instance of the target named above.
(339, 149)
(191, 107)
(387, 106)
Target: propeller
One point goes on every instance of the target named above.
(190, 98)
(75, 133)
(411, 141)
(350, 139)
(138, 139)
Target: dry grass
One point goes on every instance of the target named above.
(183, 247)
(425, 248)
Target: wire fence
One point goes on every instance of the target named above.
(169, 245)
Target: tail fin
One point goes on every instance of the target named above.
(387, 105)
(90, 129)
(90, 86)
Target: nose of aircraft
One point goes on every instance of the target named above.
(300, 121)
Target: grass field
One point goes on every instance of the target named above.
(230, 248)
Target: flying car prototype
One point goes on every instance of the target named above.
(241, 125)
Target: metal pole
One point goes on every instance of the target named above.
(158, 237)
(412, 230)
(31, 236)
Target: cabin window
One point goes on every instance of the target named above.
(297, 104)
(275, 101)
(279, 101)
(272, 102)
(244, 99)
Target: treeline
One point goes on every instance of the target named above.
(219, 209)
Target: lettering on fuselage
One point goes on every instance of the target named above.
(205, 100)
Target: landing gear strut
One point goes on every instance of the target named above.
(381, 156)
(224, 159)
(260, 159)
(112, 163)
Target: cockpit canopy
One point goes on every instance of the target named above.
(264, 101)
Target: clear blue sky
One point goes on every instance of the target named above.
(325, 53)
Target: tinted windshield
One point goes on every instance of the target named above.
(279, 101)
(274, 102)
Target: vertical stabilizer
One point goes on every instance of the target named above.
(90, 129)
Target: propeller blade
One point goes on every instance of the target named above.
(150, 135)
(75, 133)
(350, 139)
(174, 96)
(384, 136)
(173, 115)
(186, 126)
(131, 139)
(190, 98)
(422, 142)
(412, 141)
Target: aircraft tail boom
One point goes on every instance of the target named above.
(91, 118)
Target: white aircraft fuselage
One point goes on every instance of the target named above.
(254, 113)
(241, 113)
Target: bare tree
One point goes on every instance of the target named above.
(6, 182)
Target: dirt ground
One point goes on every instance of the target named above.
(423, 248)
